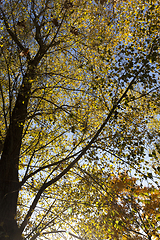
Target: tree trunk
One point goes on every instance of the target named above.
(9, 162)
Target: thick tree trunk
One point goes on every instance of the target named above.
(9, 162)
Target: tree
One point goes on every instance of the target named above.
(79, 83)
(116, 207)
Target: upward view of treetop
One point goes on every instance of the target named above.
(79, 119)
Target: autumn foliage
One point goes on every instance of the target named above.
(79, 119)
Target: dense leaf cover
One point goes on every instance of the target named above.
(79, 119)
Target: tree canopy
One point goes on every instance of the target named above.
(79, 119)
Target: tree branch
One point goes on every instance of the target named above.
(13, 35)
(47, 166)
(83, 152)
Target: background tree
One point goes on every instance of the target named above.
(79, 84)
(116, 207)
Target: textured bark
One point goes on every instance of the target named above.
(9, 182)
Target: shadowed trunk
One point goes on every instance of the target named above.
(9, 182)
